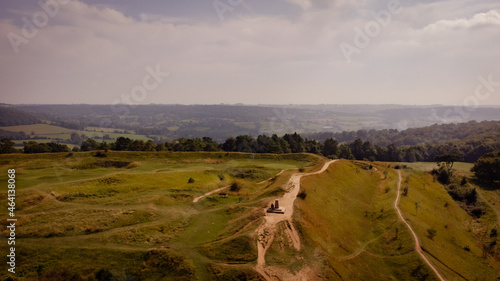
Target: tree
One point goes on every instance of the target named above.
(136, 145)
(357, 149)
(330, 147)
(89, 145)
(210, 145)
(345, 152)
(7, 146)
(149, 146)
(487, 167)
(75, 138)
(313, 146)
(194, 145)
(122, 144)
(229, 144)
(295, 142)
(447, 160)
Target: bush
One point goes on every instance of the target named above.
(443, 175)
(301, 169)
(494, 232)
(464, 181)
(431, 233)
(100, 154)
(235, 186)
(190, 180)
(302, 195)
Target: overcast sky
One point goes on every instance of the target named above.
(252, 52)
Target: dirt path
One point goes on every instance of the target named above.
(209, 193)
(267, 230)
(418, 249)
(271, 177)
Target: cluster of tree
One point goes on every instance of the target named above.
(34, 147)
(13, 135)
(295, 143)
(413, 136)
(12, 117)
(487, 168)
(7, 146)
(121, 144)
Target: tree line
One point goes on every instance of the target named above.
(468, 151)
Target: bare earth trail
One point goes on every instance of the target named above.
(224, 187)
(271, 177)
(418, 249)
(209, 193)
(267, 230)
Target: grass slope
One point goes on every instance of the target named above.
(348, 221)
(133, 216)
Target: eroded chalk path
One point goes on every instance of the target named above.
(418, 249)
(267, 229)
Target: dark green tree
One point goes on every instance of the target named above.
(7, 146)
(89, 145)
(122, 144)
(487, 167)
(330, 147)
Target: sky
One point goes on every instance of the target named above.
(415, 52)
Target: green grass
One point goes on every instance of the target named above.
(348, 216)
(129, 203)
(39, 129)
(455, 229)
(82, 217)
(349, 219)
(51, 133)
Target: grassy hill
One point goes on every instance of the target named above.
(131, 215)
(348, 218)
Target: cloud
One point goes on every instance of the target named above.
(89, 54)
(304, 4)
(491, 17)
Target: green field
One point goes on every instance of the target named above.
(62, 135)
(131, 216)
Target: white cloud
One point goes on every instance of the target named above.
(491, 17)
(93, 55)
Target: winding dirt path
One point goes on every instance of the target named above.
(418, 249)
(271, 177)
(209, 193)
(267, 229)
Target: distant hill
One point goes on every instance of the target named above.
(222, 121)
(13, 117)
(413, 136)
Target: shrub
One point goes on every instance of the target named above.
(464, 181)
(100, 154)
(302, 195)
(494, 232)
(190, 180)
(235, 186)
(301, 169)
(443, 174)
(431, 233)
